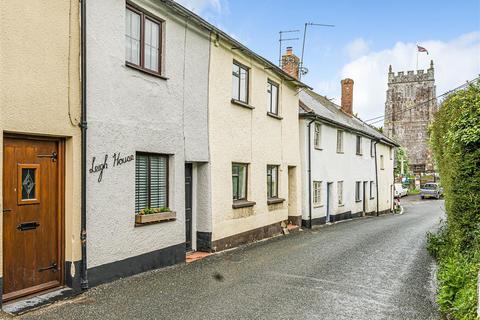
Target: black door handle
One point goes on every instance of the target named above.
(52, 267)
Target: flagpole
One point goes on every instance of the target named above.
(417, 57)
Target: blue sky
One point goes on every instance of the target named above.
(367, 37)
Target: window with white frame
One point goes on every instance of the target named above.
(340, 192)
(317, 193)
(391, 153)
(372, 189)
(359, 145)
(372, 148)
(382, 162)
(358, 189)
(272, 181)
(339, 141)
(239, 82)
(151, 181)
(317, 137)
(272, 97)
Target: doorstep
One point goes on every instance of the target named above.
(197, 255)
(23, 305)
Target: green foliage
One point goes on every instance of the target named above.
(413, 191)
(401, 154)
(455, 140)
(154, 210)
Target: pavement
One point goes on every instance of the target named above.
(367, 268)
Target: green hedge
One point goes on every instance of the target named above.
(455, 140)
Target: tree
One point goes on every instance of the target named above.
(401, 158)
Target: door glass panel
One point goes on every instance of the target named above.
(28, 183)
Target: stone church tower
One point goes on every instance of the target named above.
(409, 109)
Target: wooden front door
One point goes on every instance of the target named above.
(32, 216)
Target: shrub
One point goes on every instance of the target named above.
(455, 140)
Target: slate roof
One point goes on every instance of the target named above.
(312, 105)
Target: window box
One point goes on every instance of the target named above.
(155, 217)
(275, 200)
(237, 204)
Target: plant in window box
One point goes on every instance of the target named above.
(149, 215)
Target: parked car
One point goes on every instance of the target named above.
(431, 190)
(399, 190)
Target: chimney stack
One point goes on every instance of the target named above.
(290, 63)
(347, 96)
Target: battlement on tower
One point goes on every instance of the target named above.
(411, 76)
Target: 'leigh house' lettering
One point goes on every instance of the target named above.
(118, 160)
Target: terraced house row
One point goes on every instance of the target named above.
(135, 132)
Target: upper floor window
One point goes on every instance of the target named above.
(272, 97)
(372, 148)
(391, 153)
(317, 136)
(143, 40)
(382, 162)
(239, 181)
(372, 189)
(239, 82)
(151, 181)
(359, 145)
(339, 141)
(272, 181)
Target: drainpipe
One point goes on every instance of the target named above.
(376, 175)
(83, 125)
(310, 172)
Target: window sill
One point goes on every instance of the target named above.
(152, 73)
(382, 168)
(243, 204)
(341, 205)
(318, 148)
(372, 198)
(242, 104)
(275, 200)
(155, 218)
(318, 205)
(273, 115)
(359, 154)
(340, 152)
(358, 201)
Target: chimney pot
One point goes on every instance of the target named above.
(347, 96)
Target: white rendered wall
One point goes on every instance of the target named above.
(130, 111)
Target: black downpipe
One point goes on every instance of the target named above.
(83, 125)
(376, 175)
(310, 173)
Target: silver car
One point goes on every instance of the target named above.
(431, 190)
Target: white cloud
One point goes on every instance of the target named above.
(357, 48)
(199, 6)
(455, 62)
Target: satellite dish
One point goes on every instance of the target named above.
(303, 71)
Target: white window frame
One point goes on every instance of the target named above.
(382, 162)
(340, 192)
(358, 145)
(272, 104)
(358, 191)
(340, 135)
(317, 193)
(317, 135)
(372, 188)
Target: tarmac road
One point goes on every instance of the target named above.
(368, 268)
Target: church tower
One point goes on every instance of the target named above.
(409, 109)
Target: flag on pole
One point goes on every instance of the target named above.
(421, 49)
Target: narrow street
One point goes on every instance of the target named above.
(369, 268)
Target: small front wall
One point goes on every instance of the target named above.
(330, 167)
(131, 111)
(40, 91)
(240, 134)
